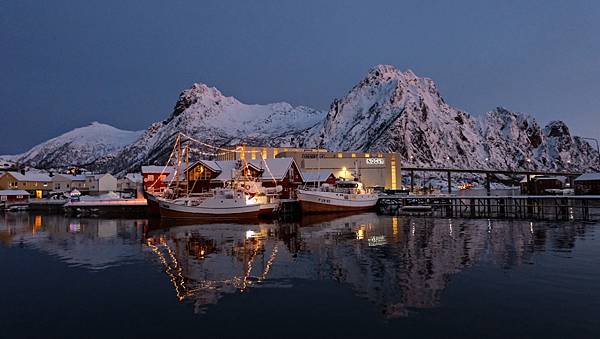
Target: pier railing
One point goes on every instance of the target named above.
(500, 207)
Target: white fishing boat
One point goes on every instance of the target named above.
(344, 196)
(219, 203)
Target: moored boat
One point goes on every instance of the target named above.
(344, 196)
(219, 203)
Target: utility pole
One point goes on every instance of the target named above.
(597, 148)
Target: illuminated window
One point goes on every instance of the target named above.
(393, 168)
(354, 155)
(367, 155)
(275, 152)
(253, 154)
(264, 153)
(339, 155)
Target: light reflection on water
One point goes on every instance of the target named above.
(401, 265)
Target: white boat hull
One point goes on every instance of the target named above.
(322, 202)
(176, 211)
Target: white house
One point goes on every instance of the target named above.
(69, 182)
(101, 183)
(130, 182)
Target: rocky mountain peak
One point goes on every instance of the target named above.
(557, 129)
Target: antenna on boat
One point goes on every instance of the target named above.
(319, 160)
(187, 164)
(178, 168)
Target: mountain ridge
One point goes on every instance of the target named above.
(387, 110)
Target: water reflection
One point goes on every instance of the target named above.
(401, 265)
(95, 244)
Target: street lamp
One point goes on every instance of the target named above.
(597, 148)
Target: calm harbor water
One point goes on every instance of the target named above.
(346, 276)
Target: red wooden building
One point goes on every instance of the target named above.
(13, 197)
(154, 178)
(206, 174)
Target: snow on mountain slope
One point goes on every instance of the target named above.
(393, 111)
(204, 113)
(396, 111)
(80, 146)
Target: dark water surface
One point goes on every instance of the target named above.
(351, 276)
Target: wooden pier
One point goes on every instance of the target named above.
(586, 208)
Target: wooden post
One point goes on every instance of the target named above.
(488, 185)
(412, 181)
(449, 183)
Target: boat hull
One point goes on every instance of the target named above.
(174, 211)
(153, 206)
(317, 203)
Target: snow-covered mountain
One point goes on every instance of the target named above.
(388, 110)
(396, 111)
(205, 114)
(81, 146)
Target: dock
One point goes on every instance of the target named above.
(543, 207)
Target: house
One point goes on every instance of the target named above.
(36, 184)
(13, 197)
(67, 182)
(206, 174)
(130, 182)
(588, 183)
(314, 178)
(101, 183)
(154, 176)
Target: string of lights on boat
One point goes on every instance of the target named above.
(225, 151)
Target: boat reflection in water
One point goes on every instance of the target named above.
(399, 264)
(204, 262)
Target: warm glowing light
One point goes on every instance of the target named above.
(249, 234)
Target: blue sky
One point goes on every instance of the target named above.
(67, 63)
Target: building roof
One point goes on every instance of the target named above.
(134, 177)
(30, 176)
(79, 177)
(314, 176)
(157, 169)
(271, 168)
(589, 177)
(13, 192)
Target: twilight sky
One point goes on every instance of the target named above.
(64, 64)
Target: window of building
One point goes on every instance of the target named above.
(367, 155)
(354, 155)
(3, 198)
(339, 155)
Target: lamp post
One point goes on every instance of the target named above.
(597, 148)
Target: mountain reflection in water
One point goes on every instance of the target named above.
(401, 265)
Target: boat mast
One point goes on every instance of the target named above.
(178, 169)
(187, 164)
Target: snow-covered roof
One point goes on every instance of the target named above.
(30, 176)
(589, 177)
(13, 192)
(313, 176)
(157, 169)
(272, 168)
(134, 177)
(79, 177)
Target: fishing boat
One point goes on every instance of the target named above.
(218, 203)
(344, 196)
